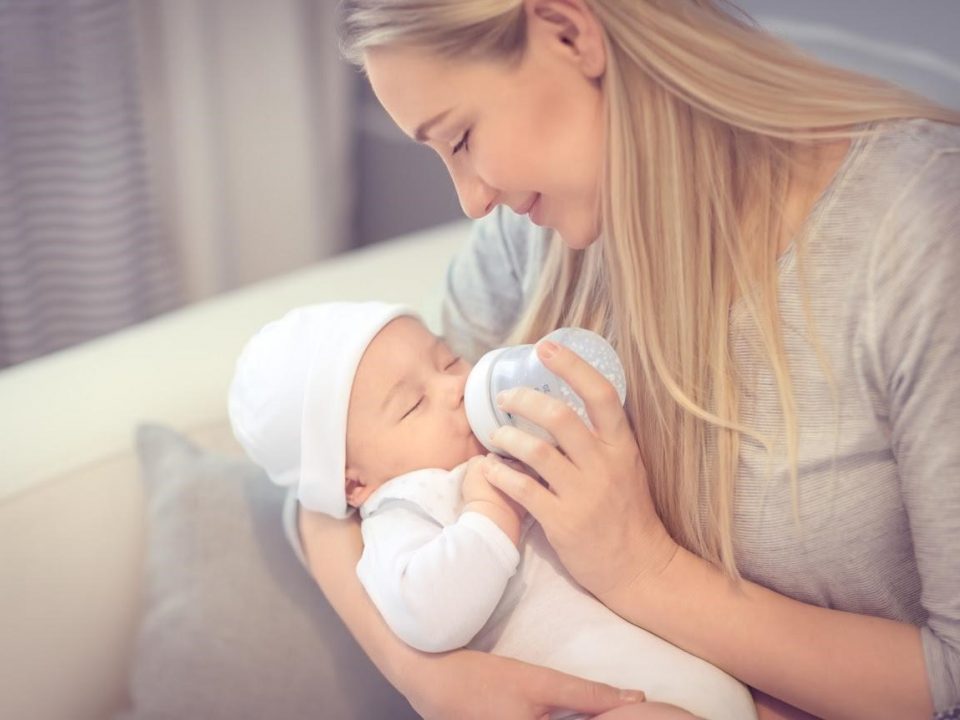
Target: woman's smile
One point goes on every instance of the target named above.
(535, 212)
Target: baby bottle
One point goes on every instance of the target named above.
(518, 365)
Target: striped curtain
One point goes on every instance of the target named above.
(80, 251)
(248, 111)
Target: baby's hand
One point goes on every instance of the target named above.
(480, 496)
(477, 488)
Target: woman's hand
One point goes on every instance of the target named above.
(469, 685)
(597, 511)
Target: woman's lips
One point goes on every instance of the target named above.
(534, 211)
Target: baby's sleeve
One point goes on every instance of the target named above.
(435, 586)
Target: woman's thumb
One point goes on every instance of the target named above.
(591, 697)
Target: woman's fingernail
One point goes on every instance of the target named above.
(632, 696)
(547, 349)
(502, 397)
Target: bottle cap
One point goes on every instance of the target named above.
(478, 401)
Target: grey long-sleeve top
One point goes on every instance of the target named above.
(879, 470)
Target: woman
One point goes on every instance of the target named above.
(771, 246)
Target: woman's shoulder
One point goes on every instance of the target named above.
(910, 188)
(905, 148)
(919, 160)
(889, 222)
(894, 168)
(922, 132)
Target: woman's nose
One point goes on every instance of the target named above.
(476, 197)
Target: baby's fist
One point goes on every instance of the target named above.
(476, 487)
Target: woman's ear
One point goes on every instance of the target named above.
(572, 27)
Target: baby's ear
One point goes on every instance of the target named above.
(355, 489)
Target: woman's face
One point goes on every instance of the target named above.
(530, 137)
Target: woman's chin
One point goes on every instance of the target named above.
(577, 238)
(578, 242)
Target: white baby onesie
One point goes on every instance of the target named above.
(444, 580)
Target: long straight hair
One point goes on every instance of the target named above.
(707, 119)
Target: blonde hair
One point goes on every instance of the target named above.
(706, 116)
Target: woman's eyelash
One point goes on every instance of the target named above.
(452, 363)
(464, 143)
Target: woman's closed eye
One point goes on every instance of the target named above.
(464, 143)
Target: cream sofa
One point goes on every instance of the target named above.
(71, 505)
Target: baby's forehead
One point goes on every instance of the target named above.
(399, 349)
(406, 333)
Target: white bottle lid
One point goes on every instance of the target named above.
(479, 404)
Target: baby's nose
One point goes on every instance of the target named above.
(455, 388)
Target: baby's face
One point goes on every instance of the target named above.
(406, 408)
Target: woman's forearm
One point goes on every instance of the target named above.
(440, 685)
(333, 548)
(830, 663)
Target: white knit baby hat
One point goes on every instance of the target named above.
(290, 394)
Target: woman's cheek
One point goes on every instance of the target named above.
(502, 165)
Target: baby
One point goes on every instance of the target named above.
(360, 406)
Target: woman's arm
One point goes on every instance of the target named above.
(599, 516)
(446, 685)
(830, 663)
(770, 708)
(332, 549)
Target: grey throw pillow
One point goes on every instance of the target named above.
(233, 627)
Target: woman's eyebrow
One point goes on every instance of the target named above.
(424, 128)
